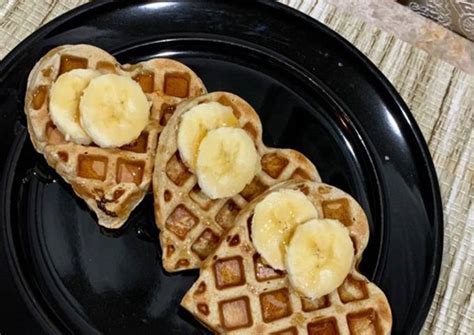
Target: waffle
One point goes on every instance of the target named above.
(191, 224)
(237, 293)
(111, 181)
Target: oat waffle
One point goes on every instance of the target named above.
(111, 181)
(237, 293)
(190, 223)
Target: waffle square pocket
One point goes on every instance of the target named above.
(111, 180)
(357, 306)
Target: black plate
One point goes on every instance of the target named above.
(314, 92)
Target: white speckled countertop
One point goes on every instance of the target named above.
(410, 27)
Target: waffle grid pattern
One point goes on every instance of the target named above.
(111, 181)
(236, 292)
(192, 224)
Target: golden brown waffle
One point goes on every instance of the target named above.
(237, 293)
(190, 223)
(111, 181)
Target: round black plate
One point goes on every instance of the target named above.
(314, 92)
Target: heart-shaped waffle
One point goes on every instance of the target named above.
(111, 181)
(237, 293)
(191, 224)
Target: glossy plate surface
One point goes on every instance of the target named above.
(314, 92)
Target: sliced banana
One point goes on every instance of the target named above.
(319, 257)
(114, 110)
(65, 95)
(275, 219)
(227, 161)
(195, 124)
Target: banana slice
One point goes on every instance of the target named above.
(319, 257)
(227, 161)
(275, 219)
(114, 110)
(64, 103)
(195, 124)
